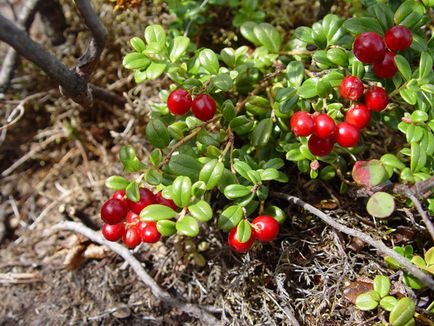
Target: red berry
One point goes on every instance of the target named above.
(376, 98)
(386, 68)
(301, 124)
(132, 218)
(320, 146)
(119, 194)
(369, 47)
(150, 233)
(358, 115)
(179, 102)
(348, 135)
(113, 211)
(203, 107)
(146, 198)
(159, 199)
(237, 246)
(398, 38)
(113, 232)
(265, 227)
(324, 126)
(351, 88)
(132, 238)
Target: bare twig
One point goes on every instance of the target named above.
(52, 16)
(377, 244)
(158, 292)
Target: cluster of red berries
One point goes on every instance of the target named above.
(264, 228)
(203, 106)
(370, 48)
(122, 221)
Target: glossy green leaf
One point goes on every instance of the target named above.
(257, 105)
(338, 57)
(223, 82)
(409, 95)
(413, 282)
(241, 125)
(295, 73)
(357, 69)
(228, 110)
(208, 60)
(135, 60)
(188, 226)
(180, 45)
(185, 165)
(228, 56)
(132, 191)
(361, 25)
(236, 191)
(201, 211)
(409, 14)
(155, 157)
(268, 36)
(230, 217)
(262, 133)
(380, 205)
(429, 256)
(157, 133)
(332, 27)
(368, 301)
(269, 174)
(156, 212)
(211, 173)
(153, 177)
(392, 161)
(155, 34)
(425, 65)
(381, 285)
(128, 158)
(403, 66)
(198, 189)
(155, 70)
(242, 168)
(403, 312)
(166, 227)
(181, 191)
(319, 35)
(308, 88)
(418, 157)
(116, 182)
(247, 31)
(140, 76)
(277, 213)
(304, 34)
(137, 44)
(383, 13)
(244, 231)
(388, 303)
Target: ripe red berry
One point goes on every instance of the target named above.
(386, 68)
(132, 237)
(159, 199)
(398, 38)
(132, 218)
(237, 246)
(113, 232)
(113, 211)
(149, 232)
(369, 47)
(146, 198)
(179, 102)
(376, 98)
(324, 126)
(119, 194)
(320, 146)
(358, 115)
(351, 88)
(203, 107)
(348, 135)
(301, 124)
(265, 227)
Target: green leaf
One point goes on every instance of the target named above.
(412, 282)
(228, 56)
(153, 177)
(181, 191)
(269, 174)
(403, 312)
(116, 182)
(380, 205)
(319, 35)
(211, 173)
(208, 60)
(338, 57)
(198, 189)
(388, 303)
(418, 157)
(155, 70)
(139, 76)
(254, 176)
(419, 116)
(368, 301)
(135, 60)
(409, 95)
(244, 231)
(277, 213)
(369, 173)
(201, 211)
(127, 156)
(332, 27)
(295, 73)
(262, 133)
(242, 168)
(392, 161)
(383, 13)
(236, 191)
(409, 14)
(132, 191)
(429, 256)
(166, 227)
(157, 212)
(223, 82)
(257, 105)
(403, 66)
(425, 65)
(361, 25)
(381, 285)
(185, 165)
(155, 34)
(228, 110)
(157, 133)
(180, 45)
(188, 226)
(357, 69)
(308, 89)
(304, 34)
(268, 36)
(274, 163)
(137, 44)
(155, 157)
(230, 217)
(241, 125)
(247, 31)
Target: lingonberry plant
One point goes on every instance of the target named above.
(260, 108)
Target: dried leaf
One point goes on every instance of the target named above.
(354, 289)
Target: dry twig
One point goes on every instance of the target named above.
(189, 308)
